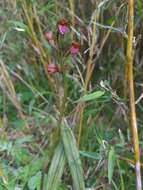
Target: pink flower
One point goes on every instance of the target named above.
(75, 48)
(53, 68)
(49, 36)
(63, 26)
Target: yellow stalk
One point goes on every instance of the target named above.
(88, 75)
(130, 57)
(44, 58)
(8, 87)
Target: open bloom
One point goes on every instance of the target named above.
(53, 68)
(63, 26)
(75, 48)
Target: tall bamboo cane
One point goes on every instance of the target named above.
(130, 57)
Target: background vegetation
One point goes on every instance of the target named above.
(65, 117)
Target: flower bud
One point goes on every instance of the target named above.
(52, 68)
(50, 38)
(75, 48)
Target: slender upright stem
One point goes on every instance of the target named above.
(72, 8)
(89, 73)
(130, 57)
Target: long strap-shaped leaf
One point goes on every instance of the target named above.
(72, 155)
(56, 168)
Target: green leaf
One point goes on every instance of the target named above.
(19, 123)
(73, 158)
(5, 146)
(92, 96)
(111, 163)
(56, 168)
(24, 139)
(19, 26)
(34, 181)
(92, 155)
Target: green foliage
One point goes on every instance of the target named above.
(111, 164)
(104, 158)
(73, 158)
(92, 96)
(56, 168)
(35, 181)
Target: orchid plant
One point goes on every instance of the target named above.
(73, 50)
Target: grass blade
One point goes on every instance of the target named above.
(72, 155)
(56, 168)
(111, 164)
